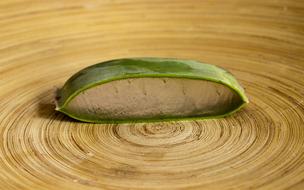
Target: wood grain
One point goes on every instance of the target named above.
(42, 43)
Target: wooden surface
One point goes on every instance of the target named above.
(261, 147)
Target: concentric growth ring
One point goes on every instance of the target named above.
(260, 146)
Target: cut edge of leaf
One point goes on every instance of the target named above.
(84, 118)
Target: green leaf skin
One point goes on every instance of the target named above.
(118, 69)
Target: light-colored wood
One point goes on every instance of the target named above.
(42, 43)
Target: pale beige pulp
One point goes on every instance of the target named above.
(154, 98)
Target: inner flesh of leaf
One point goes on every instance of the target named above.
(142, 98)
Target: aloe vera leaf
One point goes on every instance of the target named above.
(150, 89)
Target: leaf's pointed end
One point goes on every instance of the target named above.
(57, 108)
(57, 98)
(245, 100)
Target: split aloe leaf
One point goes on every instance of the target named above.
(150, 89)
